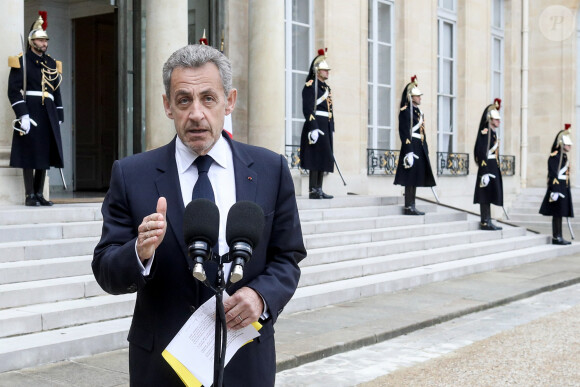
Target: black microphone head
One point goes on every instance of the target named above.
(201, 221)
(245, 223)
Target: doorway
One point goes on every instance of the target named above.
(95, 99)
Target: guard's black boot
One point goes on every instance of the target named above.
(493, 226)
(557, 238)
(412, 211)
(486, 223)
(30, 198)
(42, 200)
(324, 195)
(31, 201)
(314, 194)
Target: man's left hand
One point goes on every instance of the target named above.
(243, 308)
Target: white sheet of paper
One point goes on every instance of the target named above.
(193, 345)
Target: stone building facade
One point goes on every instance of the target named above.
(465, 53)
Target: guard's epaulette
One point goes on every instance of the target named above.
(309, 83)
(484, 131)
(14, 61)
(554, 153)
(403, 108)
(59, 66)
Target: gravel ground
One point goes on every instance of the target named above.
(545, 352)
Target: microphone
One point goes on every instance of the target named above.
(201, 222)
(243, 230)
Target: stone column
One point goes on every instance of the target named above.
(11, 28)
(166, 32)
(266, 75)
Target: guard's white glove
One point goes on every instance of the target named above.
(555, 196)
(59, 123)
(313, 136)
(25, 123)
(485, 180)
(409, 159)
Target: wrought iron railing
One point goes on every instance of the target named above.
(507, 165)
(293, 157)
(382, 161)
(452, 164)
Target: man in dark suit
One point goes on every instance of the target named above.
(142, 247)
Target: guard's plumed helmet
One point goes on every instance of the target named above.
(320, 60)
(411, 90)
(563, 137)
(38, 29)
(490, 112)
(318, 63)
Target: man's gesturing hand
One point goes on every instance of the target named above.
(152, 230)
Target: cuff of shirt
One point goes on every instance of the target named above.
(145, 269)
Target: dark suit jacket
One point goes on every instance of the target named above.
(167, 297)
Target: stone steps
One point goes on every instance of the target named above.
(51, 307)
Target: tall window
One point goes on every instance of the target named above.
(299, 53)
(497, 56)
(380, 74)
(447, 76)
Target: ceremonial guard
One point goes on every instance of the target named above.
(558, 199)
(316, 143)
(488, 185)
(34, 92)
(413, 168)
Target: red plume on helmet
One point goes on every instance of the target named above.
(497, 103)
(567, 126)
(414, 79)
(321, 51)
(44, 16)
(203, 40)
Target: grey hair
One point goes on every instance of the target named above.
(196, 55)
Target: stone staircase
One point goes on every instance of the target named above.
(524, 212)
(51, 308)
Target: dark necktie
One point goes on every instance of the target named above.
(202, 188)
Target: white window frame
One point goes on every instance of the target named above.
(498, 35)
(374, 104)
(446, 16)
(289, 71)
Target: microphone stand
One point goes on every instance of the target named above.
(221, 334)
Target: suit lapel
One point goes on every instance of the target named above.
(168, 186)
(245, 177)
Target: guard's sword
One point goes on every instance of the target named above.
(570, 228)
(23, 68)
(338, 169)
(435, 194)
(23, 74)
(505, 213)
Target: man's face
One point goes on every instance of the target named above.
(323, 75)
(416, 100)
(567, 148)
(494, 123)
(39, 46)
(197, 105)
